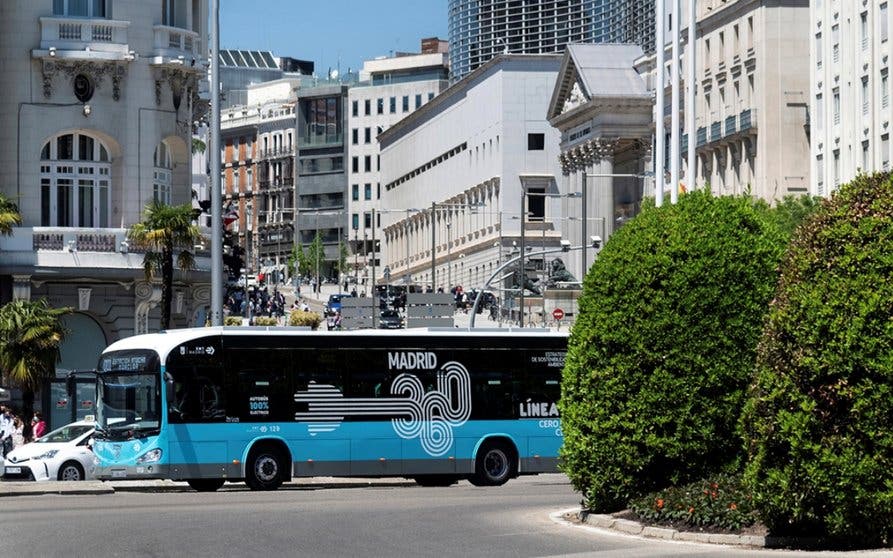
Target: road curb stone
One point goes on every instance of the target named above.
(630, 527)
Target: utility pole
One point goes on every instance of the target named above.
(214, 162)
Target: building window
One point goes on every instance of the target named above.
(406, 103)
(354, 164)
(885, 151)
(367, 163)
(418, 100)
(836, 168)
(367, 107)
(884, 23)
(367, 220)
(355, 108)
(355, 136)
(536, 142)
(866, 156)
(885, 95)
(865, 95)
(161, 175)
(378, 191)
(323, 116)
(75, 183)
(393, 105)
(355, 221)
(863, 26)
(819, 112)
(367, 135)
(380, 106)
(173, 13)
(81, 8)
(818, 50)
(835, 43)
(430, 96)
(367, 192)
(820, 174)
(836, 106)
(355, 192)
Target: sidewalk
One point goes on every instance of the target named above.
(110, 487)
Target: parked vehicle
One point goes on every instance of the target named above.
(63, 454)
(390, 319)
(334, 304)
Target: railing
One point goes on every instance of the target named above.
(312, 140)
(702, 136)
(747, 120)
(101, 35)
(174, 41)
(716, 131)
(277, 152)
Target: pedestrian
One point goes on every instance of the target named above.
(38, 426)
(6, 430)
(18, 436)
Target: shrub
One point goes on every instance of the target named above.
(265, 321)
(664, 345)
(307, 319)
(232, 321)
(819, 419)
(719, 502)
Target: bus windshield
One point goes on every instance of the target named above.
(128, 402)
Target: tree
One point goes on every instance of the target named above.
(663, 347)
(198, 146)
(341, 264)
(165, 230)
(818, 422)
(30, 335)
(317, 254)
(9, 215)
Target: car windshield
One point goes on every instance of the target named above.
(64, 434)
(389, 314)
(128, 401)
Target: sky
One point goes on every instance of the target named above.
(331, 33)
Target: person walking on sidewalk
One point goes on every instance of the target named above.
(6, 430)
(38, 425)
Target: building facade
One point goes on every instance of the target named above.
(751, 96)
(389, 90)
(99, 103)
(454, 173)
(849, 100)
(625, 22)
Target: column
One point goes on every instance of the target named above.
(21, 287)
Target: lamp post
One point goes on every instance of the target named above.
(449, 242)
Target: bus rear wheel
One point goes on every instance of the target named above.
(495, 464)
(265, 469)
(436, 480)
(205, 485)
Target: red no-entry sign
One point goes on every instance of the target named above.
(558, 313)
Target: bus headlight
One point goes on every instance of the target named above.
(150, 456)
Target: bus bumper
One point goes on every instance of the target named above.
(119, 472)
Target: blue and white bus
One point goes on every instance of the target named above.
(210, 405)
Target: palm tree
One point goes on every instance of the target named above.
(9, 215)
(30, 335)
(164, 230)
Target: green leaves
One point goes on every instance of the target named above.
(664, 346)
(30, 335)
(9, 215)
(819, 419)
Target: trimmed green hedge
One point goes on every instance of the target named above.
(819, 421)
(307, 319)
(663, 349)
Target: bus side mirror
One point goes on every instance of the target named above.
(169, 388)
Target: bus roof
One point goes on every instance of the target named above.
(165, 341)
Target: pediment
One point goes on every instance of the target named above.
(575, 98)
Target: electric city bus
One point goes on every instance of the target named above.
(209, 405)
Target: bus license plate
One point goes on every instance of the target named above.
(119, 474)
(13, 470)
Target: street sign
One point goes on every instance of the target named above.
(558, 314)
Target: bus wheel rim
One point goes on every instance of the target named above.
(495, 464)
(266, 468)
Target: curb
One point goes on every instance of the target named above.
(629, 527)
(30, 488)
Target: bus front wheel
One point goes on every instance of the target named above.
(205, 485)
(495, 464)
(265, 469)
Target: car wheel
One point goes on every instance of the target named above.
(495, 464)
(265, 469)
(71, 471)
(205, 485)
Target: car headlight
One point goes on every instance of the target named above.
(150, 456)
(46, 455)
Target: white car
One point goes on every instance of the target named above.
(63, 454)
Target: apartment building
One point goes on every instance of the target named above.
(849, 73)
(389, 90)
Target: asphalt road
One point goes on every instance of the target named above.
(393, 521)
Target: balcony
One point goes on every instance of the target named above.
(747, 120)
(276, 153)
(716, 131)
(174, 45)
(702, 136)
(81, 38)
(731, 125)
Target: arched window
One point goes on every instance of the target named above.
(161, 175)
(74, 182)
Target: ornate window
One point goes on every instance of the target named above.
(74, 182)
(161, 174)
